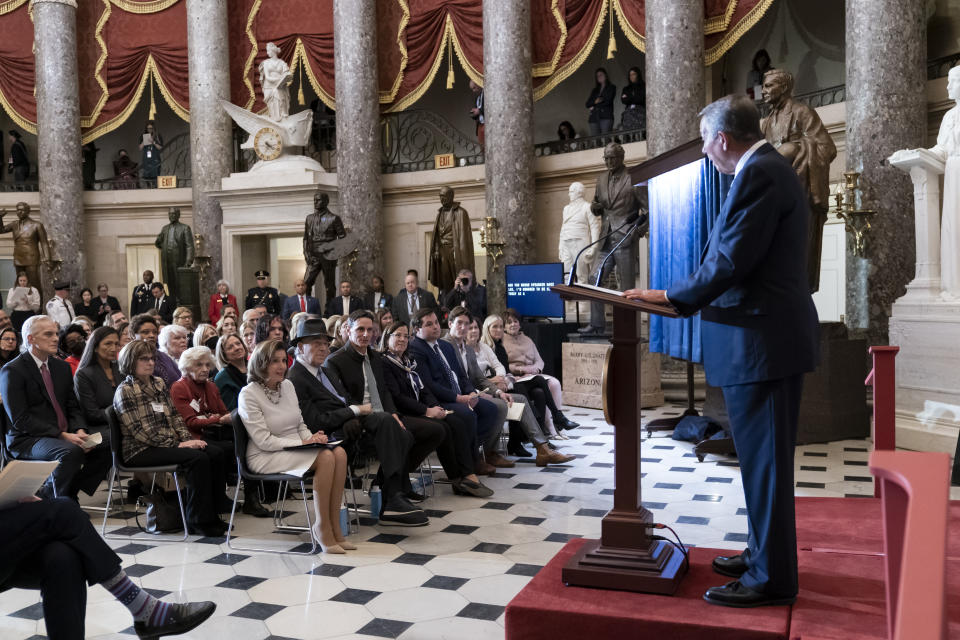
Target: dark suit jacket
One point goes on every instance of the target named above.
(475, 300)
(473, 371)
(386, 302)
(27, 404)
(95, 392)
(112, 302)
(167, 307)
(291, 305)
(759, 321)
(141, 300)
(321, 410)
(407, 402)
(400, 304)
(346, 370)
(432, 373)
(335, 305)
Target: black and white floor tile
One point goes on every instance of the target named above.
(453, 578)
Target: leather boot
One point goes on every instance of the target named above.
(251, 502)
(546, 456)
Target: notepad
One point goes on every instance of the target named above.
(315, 445)
(92, 440)
(515, 411)
(21, 478)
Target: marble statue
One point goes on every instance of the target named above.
(275, 81)
(175, 242)
(799, 135)
(946, 151)
(30, 245)
(321, 232)
(579, 228)
(452, 246)
(273, 135)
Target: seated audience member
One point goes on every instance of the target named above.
(227, 325)
(9, 345)
(98, 377)
(297, 319)
(525, 363)
(566, 131)
(412, 398)
(271, 327)
(231, 312)
(163, 304)
(231, 355)
(70, 346)
(183, 317)
(535, 388)
(460, 321)
(173, 340)
(45, 419)
(5, 320)
(358, 368)
(467, 293)
(301, 302)
(86, 307)
(340, 330)
(248, 331)
(23, 300)
(325, 407)
(384, 319)
(220, 300)
(153, 433)
(376, 299)
(86, 324)
(197, 399)
(123, 329)
(441, 373)
(125, 170)
(145, 327)
(203, 333)
(53, 543)
(411, 299)
(270, 411)
(345, 303)
(105, 303)
(115, 318)
(59, 308)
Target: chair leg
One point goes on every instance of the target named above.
(277, 523)
(114, 479)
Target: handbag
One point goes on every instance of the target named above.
(160, 515)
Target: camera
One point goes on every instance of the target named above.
(464, 282)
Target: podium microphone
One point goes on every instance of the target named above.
(640, 221)
(632, 218)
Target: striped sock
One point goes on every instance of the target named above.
(143, 606)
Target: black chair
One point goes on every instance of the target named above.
(116, 449)
(240, 440)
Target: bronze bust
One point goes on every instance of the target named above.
(797, 132)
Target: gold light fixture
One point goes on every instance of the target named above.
(856, 221)
(490, 239)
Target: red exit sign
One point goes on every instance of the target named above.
(444, 161)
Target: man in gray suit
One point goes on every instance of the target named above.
(615, 200)
(459, 323)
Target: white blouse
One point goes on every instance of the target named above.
(488, 361)
(23, 299)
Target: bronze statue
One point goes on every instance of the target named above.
(175, 242)
(799, 135)
(30, 245)
(452, 247)
(321, 231)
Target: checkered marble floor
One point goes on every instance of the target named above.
(453, 578)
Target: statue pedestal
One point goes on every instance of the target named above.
(188, 290)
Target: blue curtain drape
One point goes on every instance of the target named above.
(684, 204)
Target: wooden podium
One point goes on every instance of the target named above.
(625, 557)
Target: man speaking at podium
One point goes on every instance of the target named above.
(760, 335)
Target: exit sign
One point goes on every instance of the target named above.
(443, 161)
(166, 182)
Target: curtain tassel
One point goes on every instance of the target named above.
(300, 99)
(450, 63)
(153, 105)
(612, 44)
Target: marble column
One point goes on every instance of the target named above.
(211, 144)
(886, 111)
(508, 116)
(358, 136)
(58, 135)
(675, 89)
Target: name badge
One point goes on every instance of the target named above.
(195, 405)
(157, 407)
(149, 154)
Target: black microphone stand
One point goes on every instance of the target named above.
(573, 269)
(640, 221)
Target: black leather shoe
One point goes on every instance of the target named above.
(252, 505)
(561, 421)
(733, 566)
(734, 594)
(516, 449)
(183, 618)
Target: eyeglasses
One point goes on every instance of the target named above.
(146, 359)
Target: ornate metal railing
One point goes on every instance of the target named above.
(593, 142)
(409, 140)
(823, 97)
(29, 185)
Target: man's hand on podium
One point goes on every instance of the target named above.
(657, 296)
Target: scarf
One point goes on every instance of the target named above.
(409, 367)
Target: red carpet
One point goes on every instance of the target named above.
(841, 597)
(548, 610)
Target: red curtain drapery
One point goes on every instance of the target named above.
(129, 50)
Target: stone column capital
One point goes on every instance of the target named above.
(69, 3)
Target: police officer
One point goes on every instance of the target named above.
(263, 294)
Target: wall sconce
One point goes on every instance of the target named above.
(856, 221)
(490, 239)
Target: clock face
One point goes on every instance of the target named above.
(268, 144)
